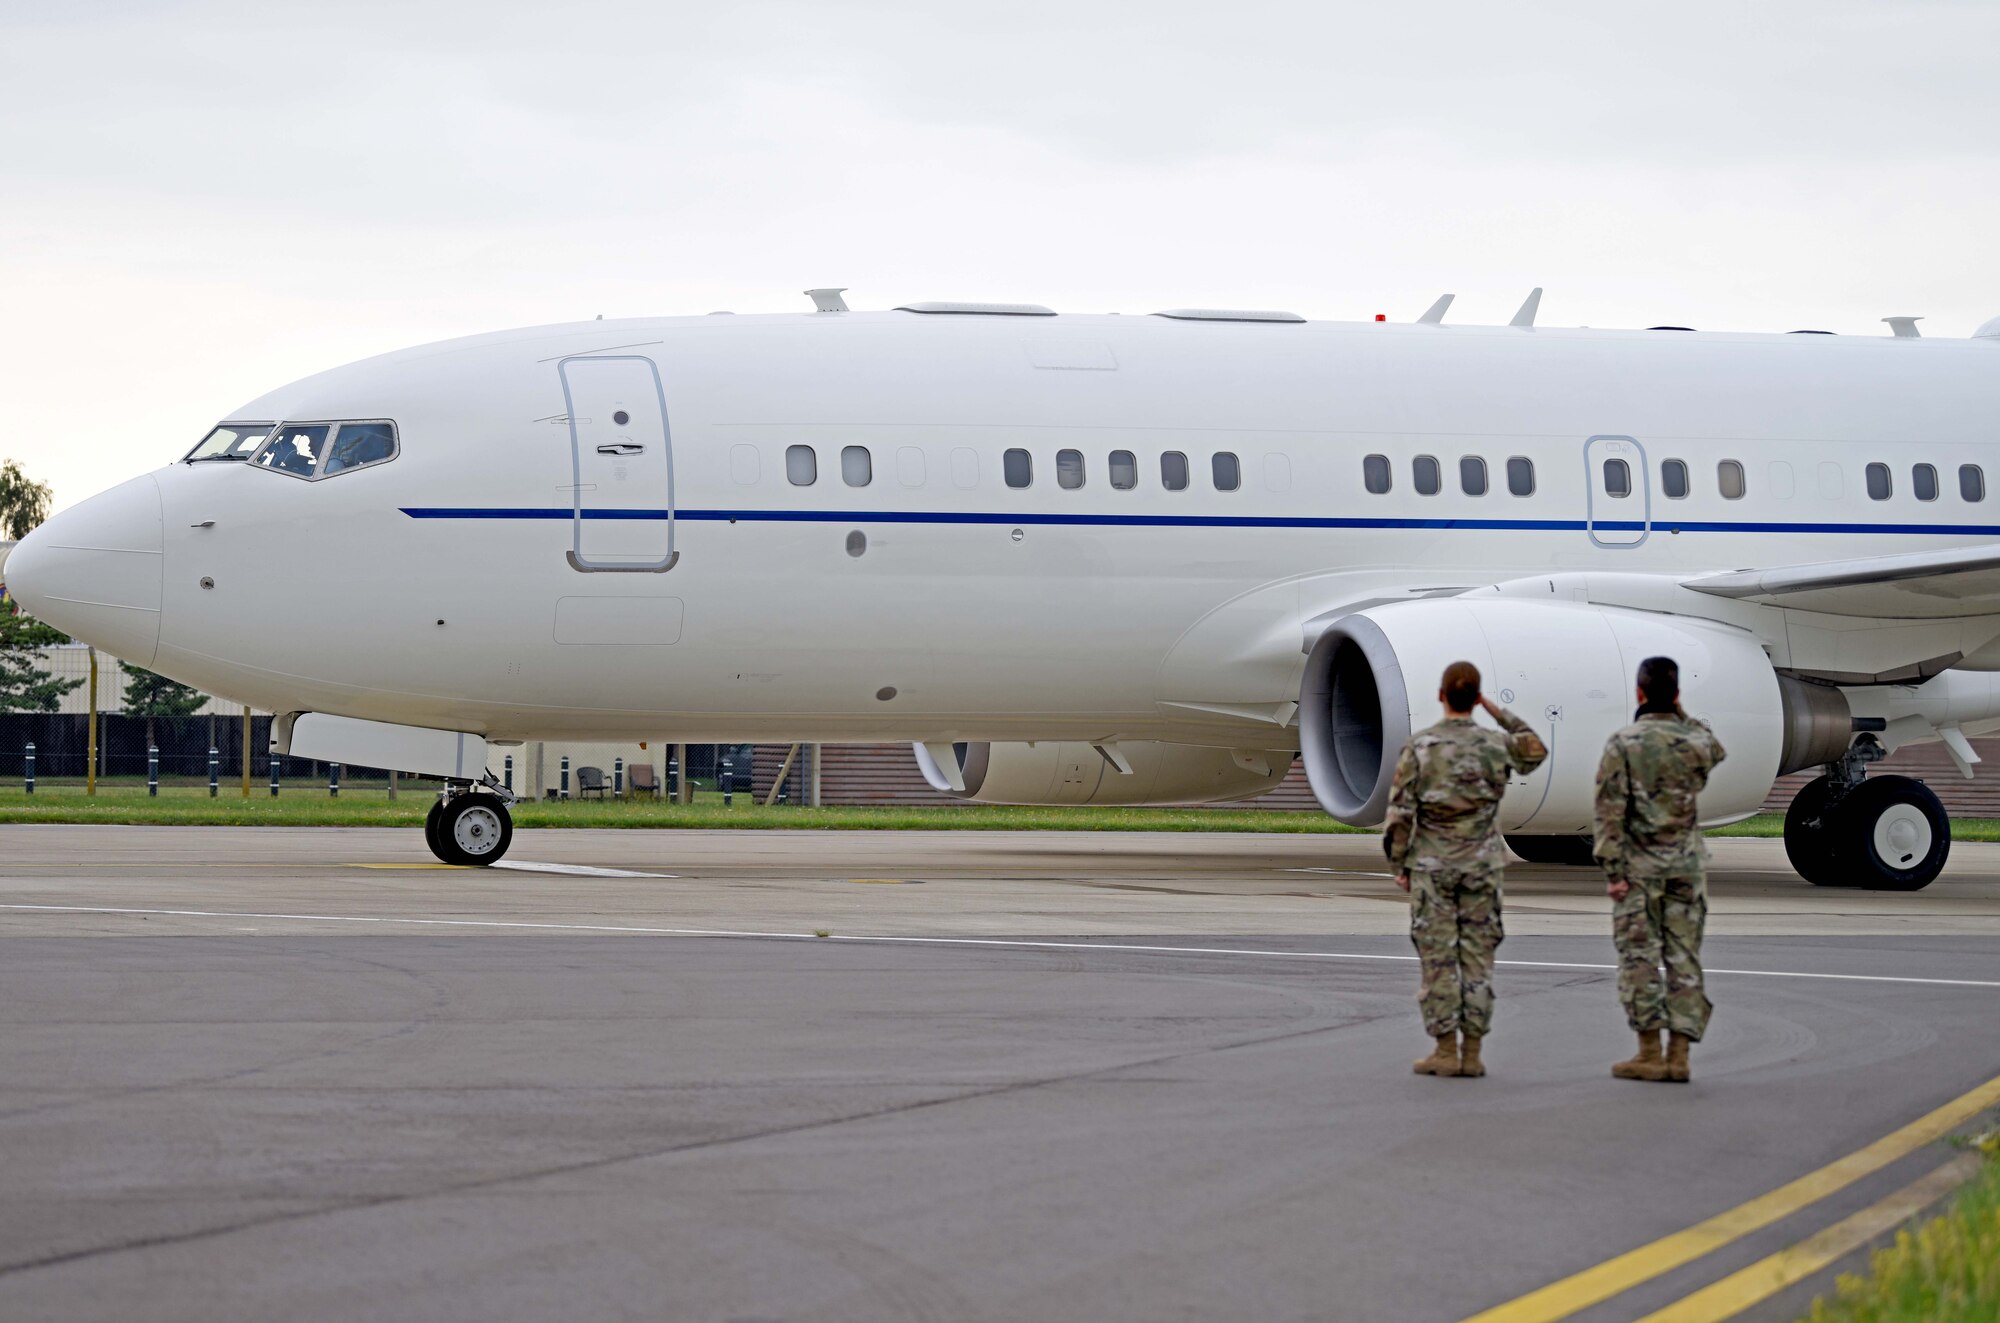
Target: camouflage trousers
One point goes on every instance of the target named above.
(1658, 925)
(1455, 925)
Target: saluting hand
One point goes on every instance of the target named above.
(1492, 708)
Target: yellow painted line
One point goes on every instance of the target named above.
(401, 867)
(1766, 1277)
(1593, 1285)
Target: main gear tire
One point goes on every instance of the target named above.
(1576, 851)
(1809, 837)
(1891, 833)
(473, 831)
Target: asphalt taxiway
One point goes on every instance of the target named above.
(752, 1076)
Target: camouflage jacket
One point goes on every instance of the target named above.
(1446, 795)
(1646, 786)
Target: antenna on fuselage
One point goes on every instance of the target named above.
(1903, 328)
(828, 300)
(1526, 316)
(1435, 314)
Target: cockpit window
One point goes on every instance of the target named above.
(320, 450)
(357, 445)
(230, 441)
(295, 448)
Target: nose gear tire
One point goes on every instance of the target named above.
(472, 831)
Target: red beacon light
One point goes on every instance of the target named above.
(1381, 316)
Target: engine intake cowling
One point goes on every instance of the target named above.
(1068, 772)
(1568, 670)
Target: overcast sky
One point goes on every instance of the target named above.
(202, 201)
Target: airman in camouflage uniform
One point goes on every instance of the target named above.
(1442, 839)
(1653, 857)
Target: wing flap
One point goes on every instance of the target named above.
(1920, 585)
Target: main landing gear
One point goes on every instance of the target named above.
(1888, 833)
(1577, 851)
(470, 826)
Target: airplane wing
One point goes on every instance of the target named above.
(1935, 585)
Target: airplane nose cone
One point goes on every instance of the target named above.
(94, 571)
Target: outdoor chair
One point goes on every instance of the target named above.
(590, 780)
(642, 781)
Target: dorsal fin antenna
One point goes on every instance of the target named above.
(1435, 314)
(1532, 305)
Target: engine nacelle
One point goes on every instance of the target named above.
(1065, 772)
(1565, 668)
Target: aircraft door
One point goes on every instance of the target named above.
(621, 459)
(1619, 512)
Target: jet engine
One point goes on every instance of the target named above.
(1568, 670)
(1065, 772)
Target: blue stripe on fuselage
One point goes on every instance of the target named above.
(1187, 521)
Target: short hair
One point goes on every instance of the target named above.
(1660, 679)
(1461, 686)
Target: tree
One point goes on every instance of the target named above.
(25, 684)
(24, 503)
(150, 695)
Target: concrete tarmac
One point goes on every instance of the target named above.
(264, 1073)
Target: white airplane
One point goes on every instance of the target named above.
(1091, 559)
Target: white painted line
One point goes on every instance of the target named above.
(572, 870)
(1024, 943)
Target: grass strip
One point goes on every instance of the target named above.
(1946, 1270)
(371, 808)
(190, 806)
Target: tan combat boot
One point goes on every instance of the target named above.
(1443, 1060)
(1469, 1064)
(1677, 1058)
(1648, 1065)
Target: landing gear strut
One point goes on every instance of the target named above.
(1889, 833)
(470, 826)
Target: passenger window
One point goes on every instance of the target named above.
(1017, 468)
(1228, 473)
(1617, 478)
(1174, 471)
(1923, 482)
(1472, 475)
(964, 468)
(1729, 480)
(1971, 482)
(295, 450)
(1426, 476)
(910, 466)
(1375, 473)
(1124, 470)
(1878, 482)
(357, 445)
(801, 465)
(857, 466)
(1783, 485)
(1674, 479)
(1069, 469)
(1521, 476)
(1277, 472)
(230, 441)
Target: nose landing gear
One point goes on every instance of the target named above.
(1887, 833)
(470, 826)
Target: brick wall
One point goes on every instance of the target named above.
(887, 774)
